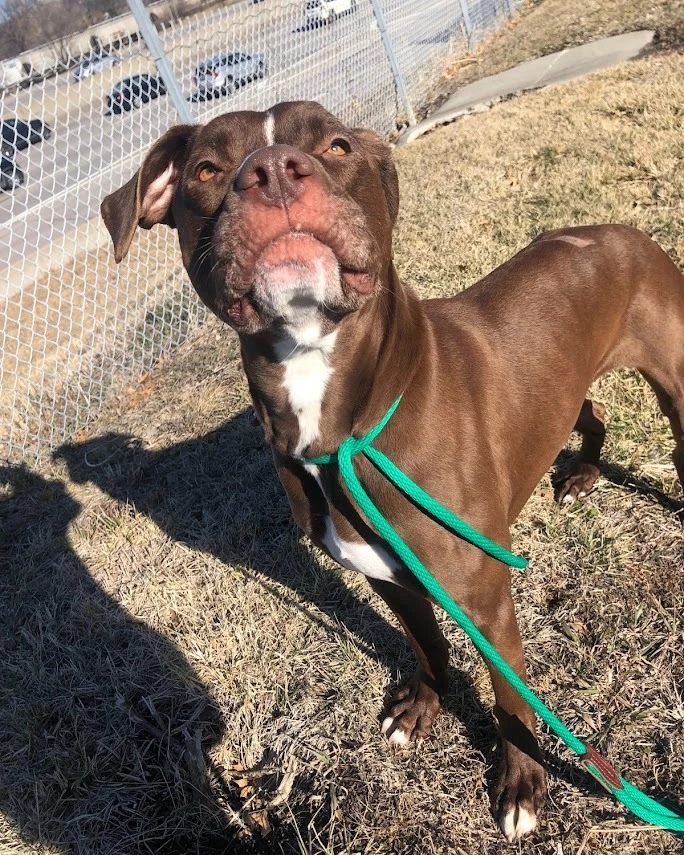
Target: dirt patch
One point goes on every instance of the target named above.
(671, 38)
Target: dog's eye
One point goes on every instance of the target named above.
(206, 172)
(339, 148)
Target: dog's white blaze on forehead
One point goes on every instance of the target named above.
(306, 376)
(269, 123)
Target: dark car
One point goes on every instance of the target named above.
(133, 91)
(10, 174)
(17, 134)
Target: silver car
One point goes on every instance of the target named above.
(221, 74)
(319, 12)
(93, 65)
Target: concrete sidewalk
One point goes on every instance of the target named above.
(546, 71)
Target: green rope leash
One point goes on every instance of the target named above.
(633, 799)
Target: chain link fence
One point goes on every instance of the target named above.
(74, 327)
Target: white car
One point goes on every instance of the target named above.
(221, 74)
(324, 11)
(94, 64)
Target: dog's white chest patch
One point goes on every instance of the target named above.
(369, 559)
(366, 558)
(307, 372)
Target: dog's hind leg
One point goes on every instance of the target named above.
(581, 478)
(671, 402)
(415, 705)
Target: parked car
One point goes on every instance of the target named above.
(16, 135)
(131, 92)
(10, 174)
(320, 12)
(93, 65)
(221, 74)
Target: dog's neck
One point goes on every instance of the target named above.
(310, 397)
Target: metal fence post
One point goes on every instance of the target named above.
(467, 23)
(149, 33)
(389, 50)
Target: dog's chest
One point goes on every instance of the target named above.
(370, 559)
(306, 374)
(306, 377)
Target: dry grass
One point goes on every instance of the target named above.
(180, 675)
(546, 26)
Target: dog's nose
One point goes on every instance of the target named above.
(276, 173)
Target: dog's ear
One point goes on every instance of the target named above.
(146, 199)
(382, 154)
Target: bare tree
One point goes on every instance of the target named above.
(25, 24)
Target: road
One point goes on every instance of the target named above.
(343, 65)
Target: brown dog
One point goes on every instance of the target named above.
(285, 223)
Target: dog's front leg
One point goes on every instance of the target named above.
(416, 704)
(519, 788)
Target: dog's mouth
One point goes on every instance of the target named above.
(296, 277)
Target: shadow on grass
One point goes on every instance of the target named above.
(220, 493)
(103, 724)
(105, 728)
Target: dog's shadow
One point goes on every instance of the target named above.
(104, 726)
(220, 493)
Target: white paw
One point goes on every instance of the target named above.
(568, 499)
(518, 822)
(396, 735)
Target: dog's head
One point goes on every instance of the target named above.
(284, 218)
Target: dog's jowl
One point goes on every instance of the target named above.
(285, 223)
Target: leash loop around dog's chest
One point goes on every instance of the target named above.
(633, 799)
(363, 445)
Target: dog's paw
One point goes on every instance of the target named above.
(577, 484)
(518, 794)
(414, 708)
